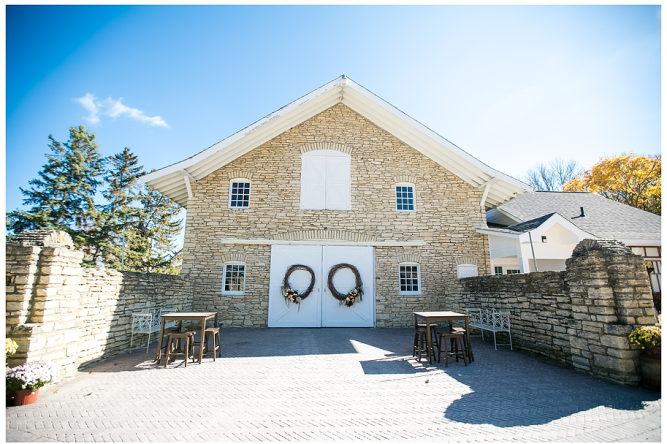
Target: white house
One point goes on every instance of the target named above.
(538, 231)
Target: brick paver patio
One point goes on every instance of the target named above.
(336, 385)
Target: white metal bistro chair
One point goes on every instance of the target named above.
(500, 320)
(148, 321)
(142, 323)
(490, 320)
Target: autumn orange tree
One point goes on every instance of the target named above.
(630, 179)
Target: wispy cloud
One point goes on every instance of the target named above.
(114, 108)
(88, 102)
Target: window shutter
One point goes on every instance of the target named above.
(466, 270)
(338, 191)
(313, 173)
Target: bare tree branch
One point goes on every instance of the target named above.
(552, 176)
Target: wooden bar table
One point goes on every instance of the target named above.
(185, 316)
(434, 316)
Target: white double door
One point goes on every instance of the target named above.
(321, 308)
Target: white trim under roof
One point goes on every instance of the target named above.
(492, 232)
(322, 242)
(641, 242)
(169, 182)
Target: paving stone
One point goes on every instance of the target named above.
(338, 385)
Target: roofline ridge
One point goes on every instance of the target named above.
(500, 173)
(248, 126)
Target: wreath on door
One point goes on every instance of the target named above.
(292, 295)
(353, 295)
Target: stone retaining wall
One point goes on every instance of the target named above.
(61, 312)
(581, 316)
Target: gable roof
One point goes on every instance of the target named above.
(604, 218)
(174, 180)
(529, 225)
(537, 226)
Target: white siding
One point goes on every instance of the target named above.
(502, 247)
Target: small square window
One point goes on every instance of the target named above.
(652, 252)
(405, 197)
(233, 282)
(239, 194)
(409, 279)
(497, 270)
(638, 250)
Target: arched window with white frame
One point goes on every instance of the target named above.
(406, 199)
(233, 278)
(409, 278)
(239, 193)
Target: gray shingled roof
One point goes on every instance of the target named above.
(603, 218)
(530, 225)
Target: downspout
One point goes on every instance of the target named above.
(533, 250)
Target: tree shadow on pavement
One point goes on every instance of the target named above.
(512, 388)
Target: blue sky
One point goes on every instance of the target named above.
(511, 85)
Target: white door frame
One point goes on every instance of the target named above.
(317, 310)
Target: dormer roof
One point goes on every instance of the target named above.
(175, 180)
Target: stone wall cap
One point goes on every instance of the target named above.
(611, 246)
(43, 238)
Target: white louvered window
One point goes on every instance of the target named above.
(239, 193)
(466, 270)
(325, 180)
(405, 197)
(233, 279)
(409, 279)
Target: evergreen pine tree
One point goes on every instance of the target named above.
(62, 196)
(136, 225)
(154, 238)
(120, 211)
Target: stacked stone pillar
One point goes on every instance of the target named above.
(73, 316)
(43, 298)
(610, 296)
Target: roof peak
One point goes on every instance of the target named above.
(498, 187)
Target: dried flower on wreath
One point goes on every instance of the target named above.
(353, 295)
(291, 295)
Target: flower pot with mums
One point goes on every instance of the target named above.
(26, 380)
(649, 339)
